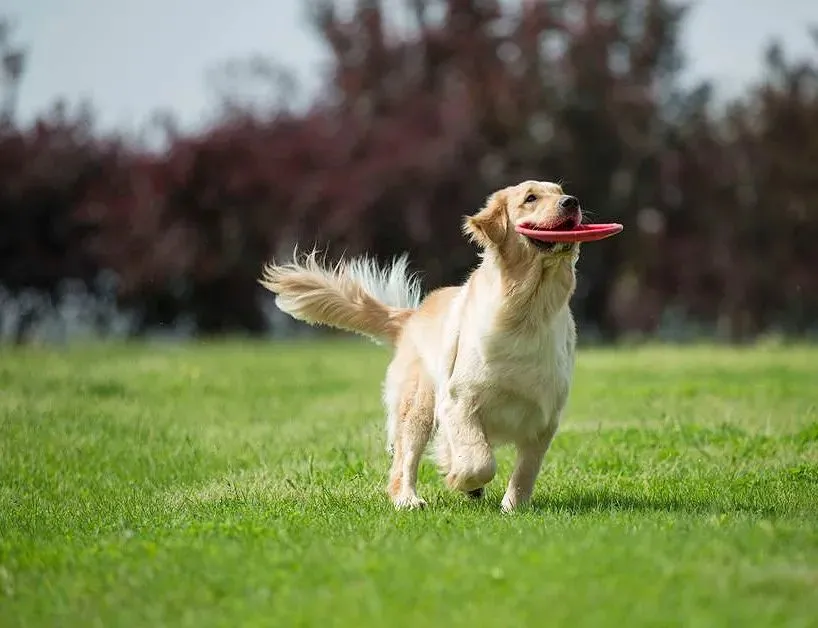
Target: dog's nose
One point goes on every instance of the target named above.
(569, 203)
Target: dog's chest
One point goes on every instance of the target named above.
(521, 384)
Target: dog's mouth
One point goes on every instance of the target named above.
(568, 224)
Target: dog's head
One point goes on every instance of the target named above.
(539, 203)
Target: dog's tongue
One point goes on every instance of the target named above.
(580, 233)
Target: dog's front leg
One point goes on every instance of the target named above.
(530, 455)
(470, 460)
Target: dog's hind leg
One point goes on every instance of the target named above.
(413, 422)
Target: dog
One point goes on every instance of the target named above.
(475, 366)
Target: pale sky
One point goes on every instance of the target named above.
(131, 57)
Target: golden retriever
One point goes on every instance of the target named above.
(478, 365)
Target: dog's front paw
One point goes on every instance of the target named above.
(509, 503)
(409, 502)
(514, 501)
(471, 478)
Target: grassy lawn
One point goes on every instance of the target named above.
(242, 484)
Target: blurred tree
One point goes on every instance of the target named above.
(777, 222)
(12, 63)
(483, 96)
(187, 230)
(422, 115)
(45, 174)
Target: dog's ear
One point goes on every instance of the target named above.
(490, 225)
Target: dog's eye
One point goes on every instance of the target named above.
(530, 198)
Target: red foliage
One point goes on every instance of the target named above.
(45, 173)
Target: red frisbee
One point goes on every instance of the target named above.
(580, 233)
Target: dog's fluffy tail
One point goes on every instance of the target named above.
(355, 295)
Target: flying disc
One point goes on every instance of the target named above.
(580, 233)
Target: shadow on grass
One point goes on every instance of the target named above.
(346, 511)
(598, 500)
(780, 493)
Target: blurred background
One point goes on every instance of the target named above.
(153, 155)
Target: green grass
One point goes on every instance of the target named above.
(242, 484)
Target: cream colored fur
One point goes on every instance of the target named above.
(486, 363)
(355, 295)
